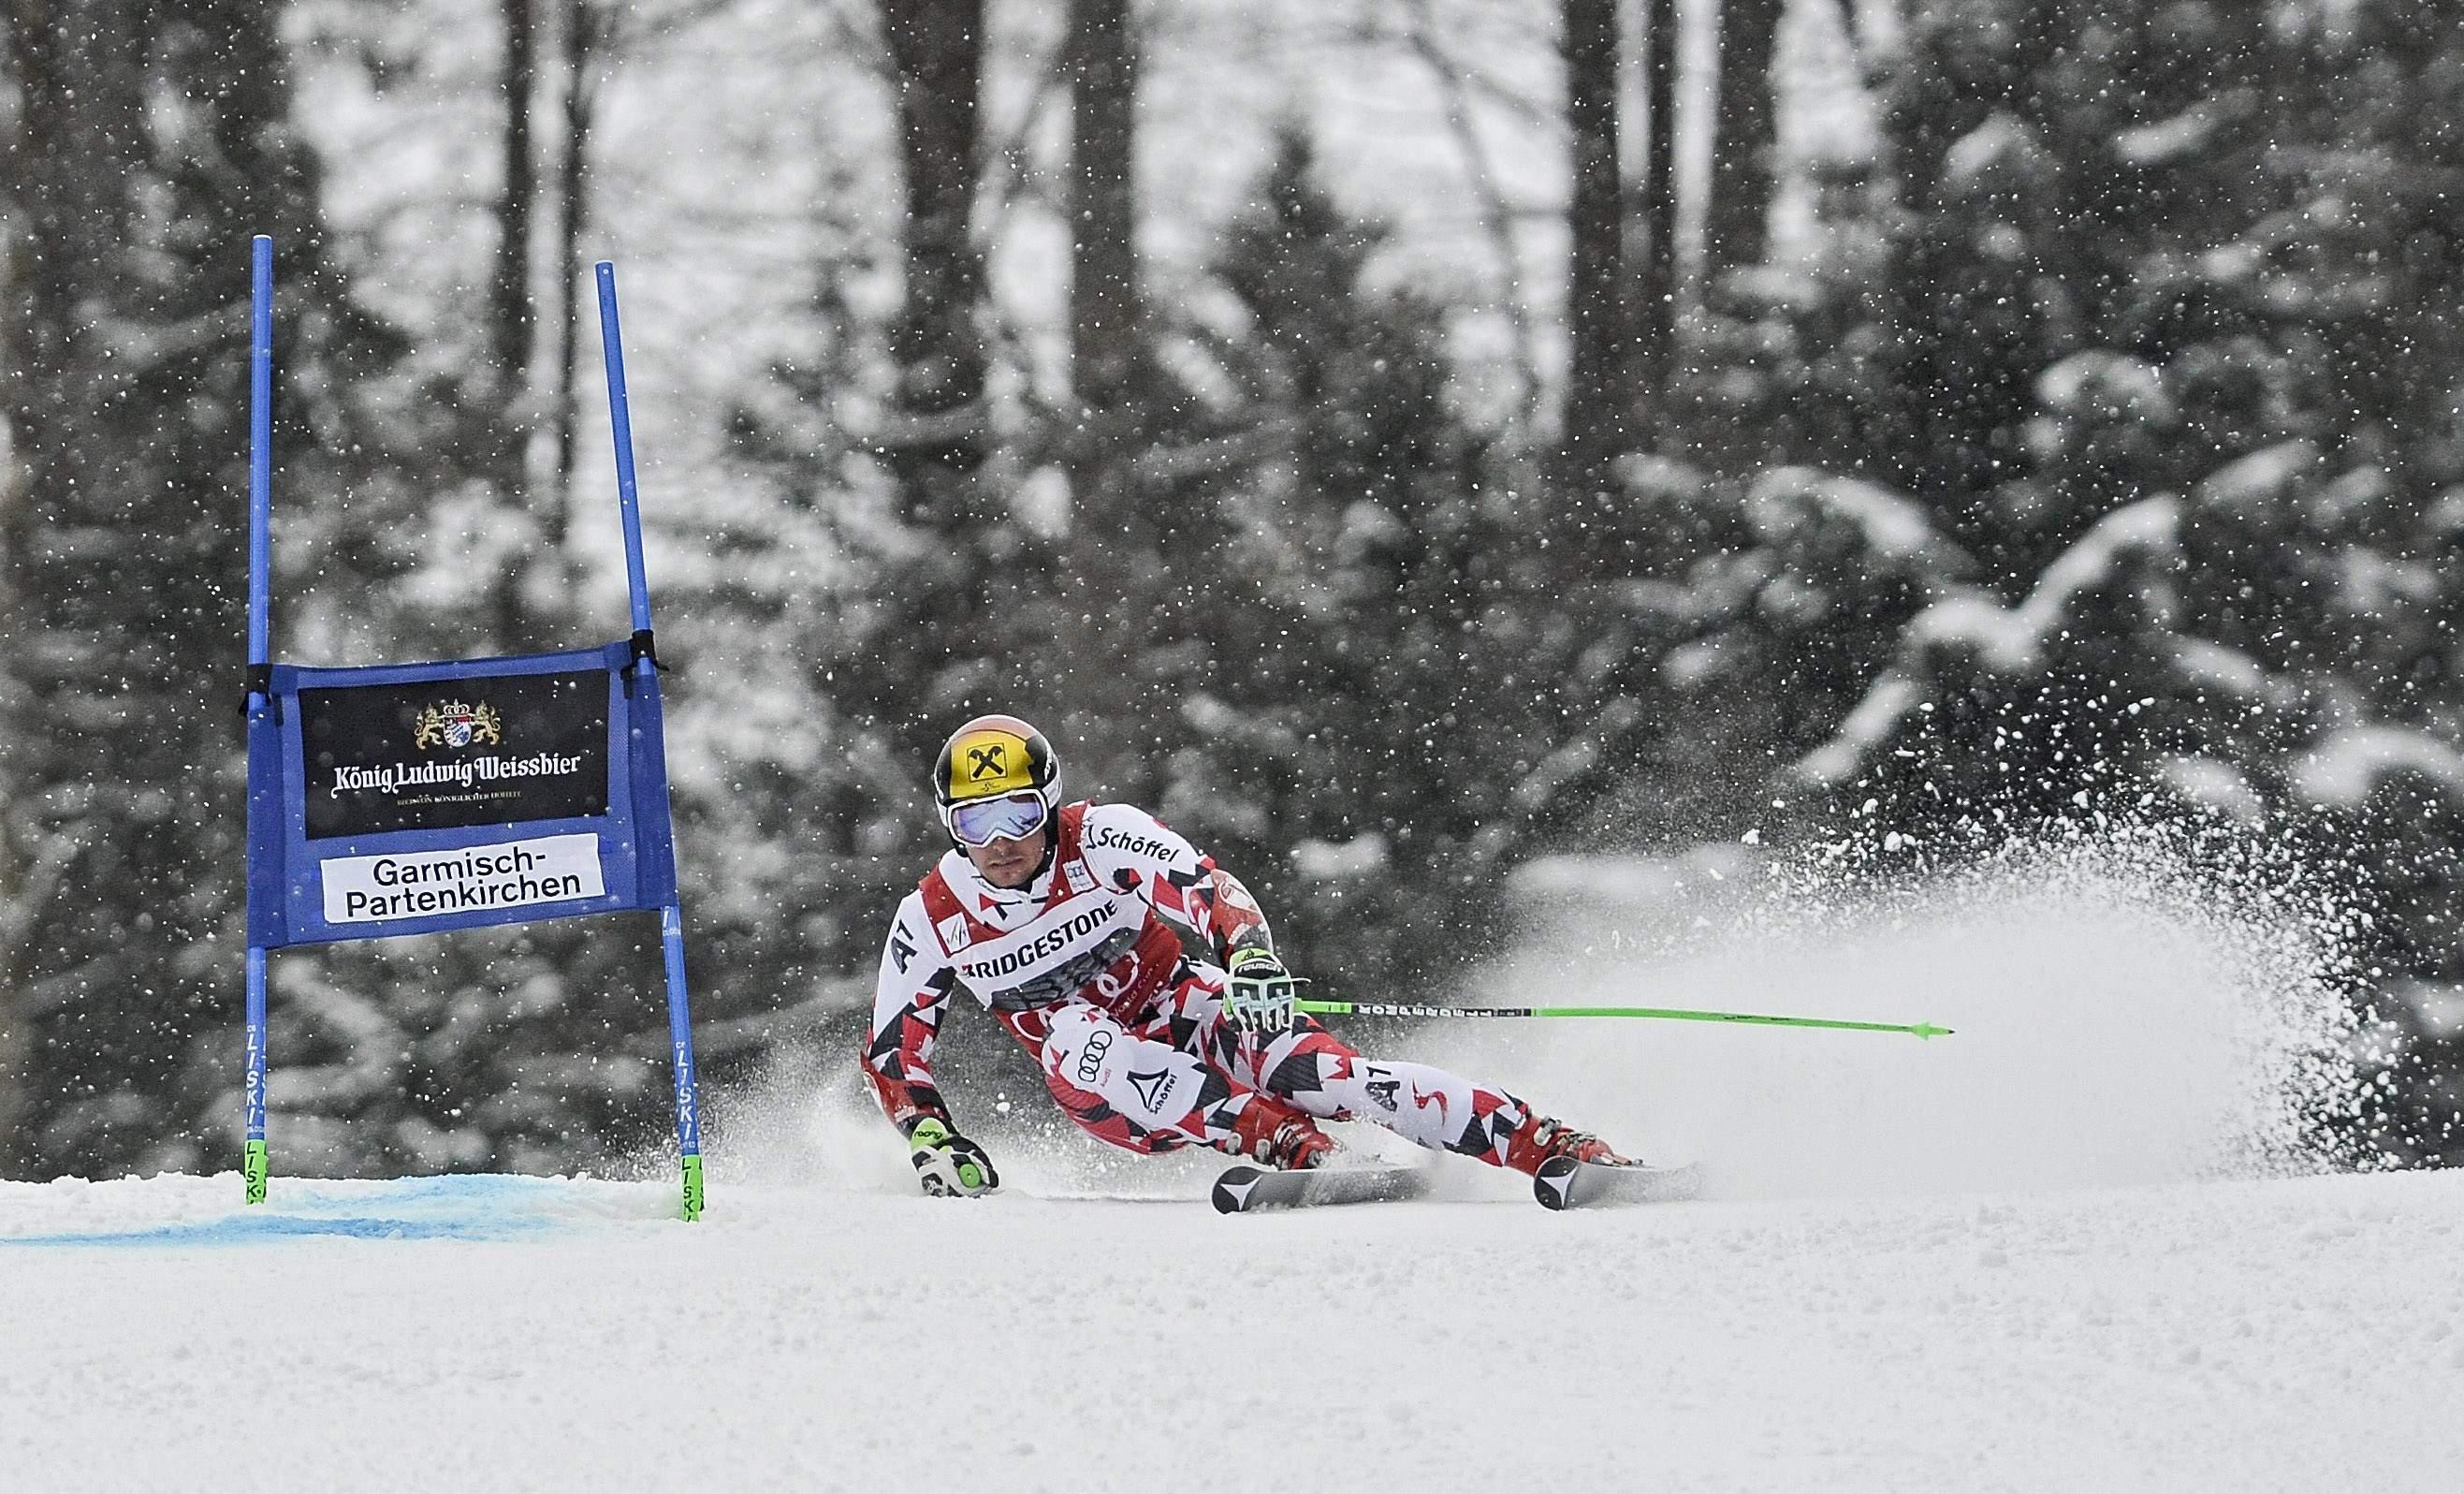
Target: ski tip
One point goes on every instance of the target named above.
(1928, 1030)
(1233, 1187)
(1564, 1183)
(1554, 1185)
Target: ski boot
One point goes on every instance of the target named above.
(1280, 1137)
(1539, 1137)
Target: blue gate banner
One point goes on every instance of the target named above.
(415, 798)
(410, 798)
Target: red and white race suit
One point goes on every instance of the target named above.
(1084, 971)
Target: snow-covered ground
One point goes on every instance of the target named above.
(2299, 1335)
(2073, 1248)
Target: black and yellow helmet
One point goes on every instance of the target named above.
(995, 757)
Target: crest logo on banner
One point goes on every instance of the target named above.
(390, 799)
(451, 724)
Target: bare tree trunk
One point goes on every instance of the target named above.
(1736, 222)
(509, 320)
(504, 423)
(581, 106)
(1126, 537)
(1599, 381)
(1104, 311)
(1656, 337)
(937, 436)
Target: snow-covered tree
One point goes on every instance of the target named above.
(150, 141)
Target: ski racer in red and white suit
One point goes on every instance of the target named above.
(1079, 961)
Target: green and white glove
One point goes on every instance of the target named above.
(947, 1163)
(1258, 993)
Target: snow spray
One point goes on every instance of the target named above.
(2136, 1004)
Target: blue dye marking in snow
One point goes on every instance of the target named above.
(430, 1207)
(248, 1229)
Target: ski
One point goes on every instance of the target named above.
(1564, 1183)
(1248, 1189)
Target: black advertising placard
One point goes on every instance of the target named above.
(477, 750)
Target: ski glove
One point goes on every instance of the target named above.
(948, 1165)
(1258, 993)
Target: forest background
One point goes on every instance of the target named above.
(1406, 444)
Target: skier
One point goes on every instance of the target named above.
(1059, 920)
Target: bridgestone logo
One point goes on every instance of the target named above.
(1043, 947)
(370, 889)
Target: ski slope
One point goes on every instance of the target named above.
(509, 1333)
(2093, 1242)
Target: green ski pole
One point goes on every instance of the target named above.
(1666, 1013)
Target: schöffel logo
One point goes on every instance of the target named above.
(1111, 839)
(451, 724)
(1152, 1089)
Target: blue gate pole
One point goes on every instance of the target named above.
(259, 698)
(621, 418)
(671, 921)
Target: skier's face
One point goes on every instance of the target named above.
(1010, 864)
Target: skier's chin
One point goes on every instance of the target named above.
(1009, 864)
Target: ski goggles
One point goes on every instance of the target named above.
(1014, 816)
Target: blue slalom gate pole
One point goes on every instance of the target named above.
(260, 458)
(259, 700)
(672, 940)
(621, 418)
(650, 720)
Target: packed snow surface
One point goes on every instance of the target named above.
(2093, 1243)
(2304, 1334)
